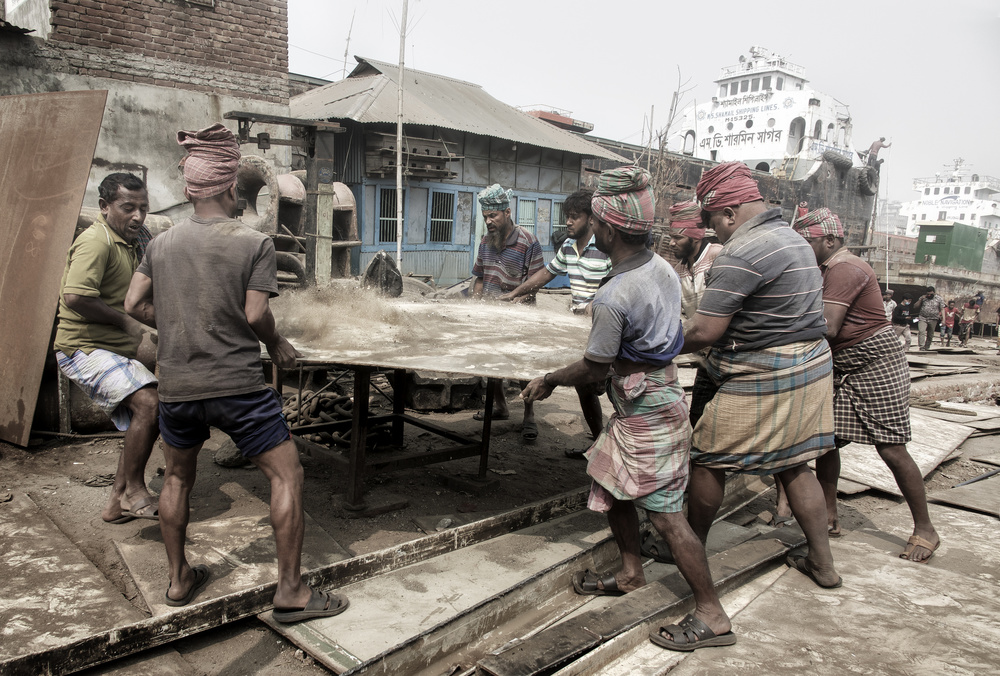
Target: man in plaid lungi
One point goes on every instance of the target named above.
(871, 378)
(641, 457)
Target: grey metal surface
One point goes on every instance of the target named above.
(47, 143)
(369, 94)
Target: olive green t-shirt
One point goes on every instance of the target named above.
(100, 265)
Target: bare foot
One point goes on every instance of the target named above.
(825, 575)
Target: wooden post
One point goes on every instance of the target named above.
(359, 438)
(484, 454)
(399, 387)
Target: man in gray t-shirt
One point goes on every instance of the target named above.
(928, 308)
(206, 283)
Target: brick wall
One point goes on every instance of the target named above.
(237, 47)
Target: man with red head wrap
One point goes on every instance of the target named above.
(762, 316)
(213, 277)
(871, 401)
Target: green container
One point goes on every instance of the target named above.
(952, 245)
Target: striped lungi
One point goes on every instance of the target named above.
(107, 378)
(773, 409)
(642, 454)
(871, 391)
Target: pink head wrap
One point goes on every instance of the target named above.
(624, 200)
(819, 223)
(727, 185)
(212, 160)
(685, 219)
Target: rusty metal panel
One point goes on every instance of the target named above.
(47, 143)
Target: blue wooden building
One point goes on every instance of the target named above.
(457, 140)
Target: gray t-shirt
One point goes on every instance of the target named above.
(201, 270)
(637, 313)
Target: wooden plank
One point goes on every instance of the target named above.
(932, 443)
(554, 647)
(982, 496)
(988, 459)
(51, 595)
(107, 645)
(237, 546)
(47, 143)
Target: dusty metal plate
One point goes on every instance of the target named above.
(47, 143)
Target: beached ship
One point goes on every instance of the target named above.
(958, 196)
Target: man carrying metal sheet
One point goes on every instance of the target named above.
(206, 283)
(871, 401)
(96, 342)
(586, 266)
(508, 256)
(641, 457)
(762, 315)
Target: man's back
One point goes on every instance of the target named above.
(201, 270)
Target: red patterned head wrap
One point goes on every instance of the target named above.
(624, 199)
(212, 160)
(819, 223)
(727, 185)
(685, 219)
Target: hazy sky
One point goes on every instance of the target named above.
(925, 74)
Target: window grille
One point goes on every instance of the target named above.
(526, 214)
(387, 215)
(442, 216)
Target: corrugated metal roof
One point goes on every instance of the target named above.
(368, 95)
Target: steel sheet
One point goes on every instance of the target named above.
(47, 143)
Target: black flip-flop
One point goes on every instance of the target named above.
(585, 583)
(529, 431)
(321, 604)
(653, 548)
(201, 576)
(689, 635)
(576, 453)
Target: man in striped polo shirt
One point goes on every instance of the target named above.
(508, 255)
(586, 267)
(762, 315)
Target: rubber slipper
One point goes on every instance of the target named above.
(135, 510)
(834, 530)
(481, 415)
(585, 583)
(121, 518)
(917, 541)
(529, 431)
(656, 549)
(321, 604)
(201, 577)
(779, 521)
(689, 635)
(576, 453)
(800, 564)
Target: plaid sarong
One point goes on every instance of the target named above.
(773, 409)
(871, 391)
(642, 454)
(107, 378)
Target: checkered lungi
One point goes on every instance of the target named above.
(642, 454)
(107, 378)
(871, 392)
(773, 409)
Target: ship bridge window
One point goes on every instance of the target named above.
(734, 88)
(961, 217)
(744, 85)
(755, 84)
(763, 166)
(829, 133)
(798, 85)
(967, 189)
(689, 139)
(927, 191)
(729, 126)
(818, 130)
(975, 177)
(942, 215)
(749, 123)
(947, 190)
(770, 122)
(779, 83)
(937, 191)
(766, 83)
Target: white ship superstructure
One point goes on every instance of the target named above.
(959, 196)
(766, 115)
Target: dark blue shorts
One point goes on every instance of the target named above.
(253, 421)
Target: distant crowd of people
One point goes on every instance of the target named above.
(933, 315)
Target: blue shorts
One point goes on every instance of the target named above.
(253, 421)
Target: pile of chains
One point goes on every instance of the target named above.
(314, 408)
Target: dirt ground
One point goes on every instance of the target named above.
(53, 473)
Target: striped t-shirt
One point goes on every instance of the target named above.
(767, 280)
(505, 270)
(586, 269)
